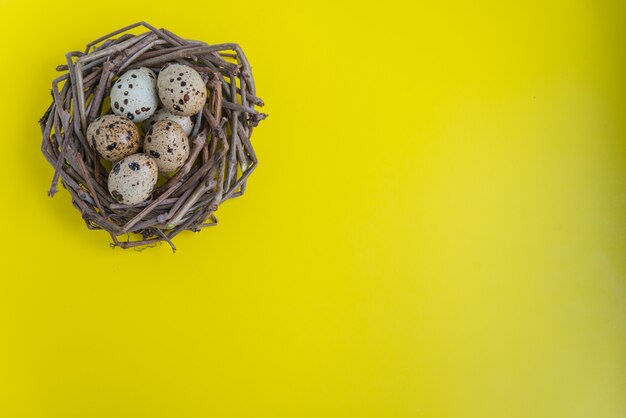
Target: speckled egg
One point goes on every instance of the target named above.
(161, 114)
(167, 143)
(133, 178)
(114, 137)
(134, 95)
(181, 89)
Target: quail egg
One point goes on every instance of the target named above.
(114, 137)
(181, 89)
(184, 121)
(134, 95)
(167, 143)
(132, 179)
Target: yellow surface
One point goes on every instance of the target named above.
(437, 227)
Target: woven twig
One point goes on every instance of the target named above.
(221, 157)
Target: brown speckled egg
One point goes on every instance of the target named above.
(134, 95)
(133, 178)
(184, 121)
(167, 143)
(114, 137)
(181, 89)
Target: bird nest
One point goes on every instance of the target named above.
(220, 159)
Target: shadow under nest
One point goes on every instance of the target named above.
(221, 157)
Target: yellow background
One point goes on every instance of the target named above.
(437, 227)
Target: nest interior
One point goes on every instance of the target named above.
(221, 157)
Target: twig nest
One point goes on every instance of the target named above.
(181, 90)
(198, 103)
(167, 143)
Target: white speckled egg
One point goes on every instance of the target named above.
(167, 143)
(181, 89)
(133, 178)
(161, 114)
(134, 95)
(114, 137)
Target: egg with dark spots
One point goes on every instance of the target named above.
(167, 143)
(161, 114)
(134, 94)
(132, 179)
(114, 137)
(181, 90)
